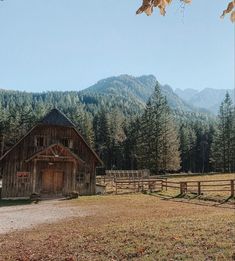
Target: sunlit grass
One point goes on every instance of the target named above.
(129, 227)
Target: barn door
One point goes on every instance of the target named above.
(58, 181)
(47, 181)
(52, 181)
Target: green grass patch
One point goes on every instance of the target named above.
(14, 202)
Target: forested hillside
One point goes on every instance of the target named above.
(137, 89)
(132, 122)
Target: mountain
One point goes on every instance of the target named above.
(208, 98)
(186, 94)
(124, 93)
(136, 89)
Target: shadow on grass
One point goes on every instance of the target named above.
(185, 198)
(17, 202)
(227, 200)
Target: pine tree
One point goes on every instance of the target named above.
(87, 130)
(102, 137)
(158, 143)
(233, 141)
(223, 145)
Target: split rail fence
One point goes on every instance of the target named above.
(201, 187)
(154, 184)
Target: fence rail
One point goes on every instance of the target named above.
(138, 185)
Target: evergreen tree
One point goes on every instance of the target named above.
(102, 136)
(158, 144)
(223, 145)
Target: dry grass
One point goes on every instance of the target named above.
(226, 176)
(129, 227)
(214, 195)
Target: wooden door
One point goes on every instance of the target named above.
(58, 181)
(52, 181)
(47, 181)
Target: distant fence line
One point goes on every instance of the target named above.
(127, 173)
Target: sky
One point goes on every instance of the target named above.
(71, 44)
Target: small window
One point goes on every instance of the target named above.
(80, 176)
(23, 177)
(67, 143)
(40, 141)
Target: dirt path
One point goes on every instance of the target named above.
(27, 216)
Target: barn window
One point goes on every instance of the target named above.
(40, 141)
(23, 177)
(67, 142)
(80, 176)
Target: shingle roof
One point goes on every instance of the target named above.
(56, 117)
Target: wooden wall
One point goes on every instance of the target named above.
(14, 162)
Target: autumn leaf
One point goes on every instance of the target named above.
(229, 9)
(148, 6)
(232, 17)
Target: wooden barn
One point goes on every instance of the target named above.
(51, 159)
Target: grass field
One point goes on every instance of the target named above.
(206, 177)
(8, 203)
(129, 227)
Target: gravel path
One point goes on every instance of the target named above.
(26, 216)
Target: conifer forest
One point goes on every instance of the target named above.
(157, 133)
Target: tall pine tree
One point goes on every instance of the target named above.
(223, 144)
(158, 143)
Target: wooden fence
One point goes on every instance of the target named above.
(130, 174)
(137, 185)
(201, 187)
(153, 184)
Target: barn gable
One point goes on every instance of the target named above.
(56, 117)
(55, 152)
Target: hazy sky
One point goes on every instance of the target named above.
(71, 44)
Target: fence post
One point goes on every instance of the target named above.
(166, 184)
(116, 186)
(199, 188)
(183, 188)
(232, 188)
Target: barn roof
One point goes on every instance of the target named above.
(56, 117)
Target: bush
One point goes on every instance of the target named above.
(72, 195)
(35, 197)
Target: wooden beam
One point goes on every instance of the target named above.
(74, 175)
(34, 175)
